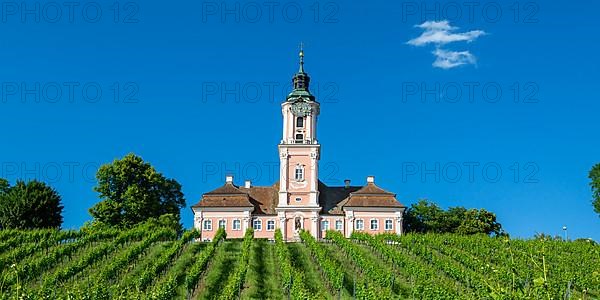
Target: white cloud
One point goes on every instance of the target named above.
(441, 33)
(450, 59)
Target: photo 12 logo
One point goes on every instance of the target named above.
(523, 12)
(470, 92)
(470, 171)
(50, 172)
(267, 171)
(68, 92)
(69, 12)
(268, 91)
(270, 12)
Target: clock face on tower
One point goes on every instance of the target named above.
(301, 108)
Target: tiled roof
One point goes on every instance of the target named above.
(332, 199)
(264, 198)
(224, 201)
(372, 196)
(372, 201)
(227, 195)
(371, 188)
(226, 189)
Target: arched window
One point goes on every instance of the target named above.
(300, 122)
(299, 175)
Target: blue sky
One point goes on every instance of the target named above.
(199, 83)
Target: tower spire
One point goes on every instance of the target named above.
(300, 81)
(301, 54)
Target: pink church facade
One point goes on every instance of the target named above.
(299, 200)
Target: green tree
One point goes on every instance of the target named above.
(132, 191)
(4, 186)
(595, 184)
(453, 218)
(479, 221)
(546, 237)
(29, 205)
(424, 216)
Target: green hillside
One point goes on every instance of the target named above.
(152, 262)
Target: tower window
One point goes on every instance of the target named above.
(299, 175)
(300, 122)
(299, 138)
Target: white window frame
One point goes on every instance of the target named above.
(299, 176)
(269, 222)
(341, 223)
(376, 224)
(239, 223)
(385, 226)
(356, 227)
(324, 225)
(259, 222)
(205, 223)
(224, 224)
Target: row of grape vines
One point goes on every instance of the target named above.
(139, 263)
(292, 279)
(481, 267)
(151, 261)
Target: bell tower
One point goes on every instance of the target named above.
(300, 111)
(299, 153)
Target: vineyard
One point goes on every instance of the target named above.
(154, 262)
